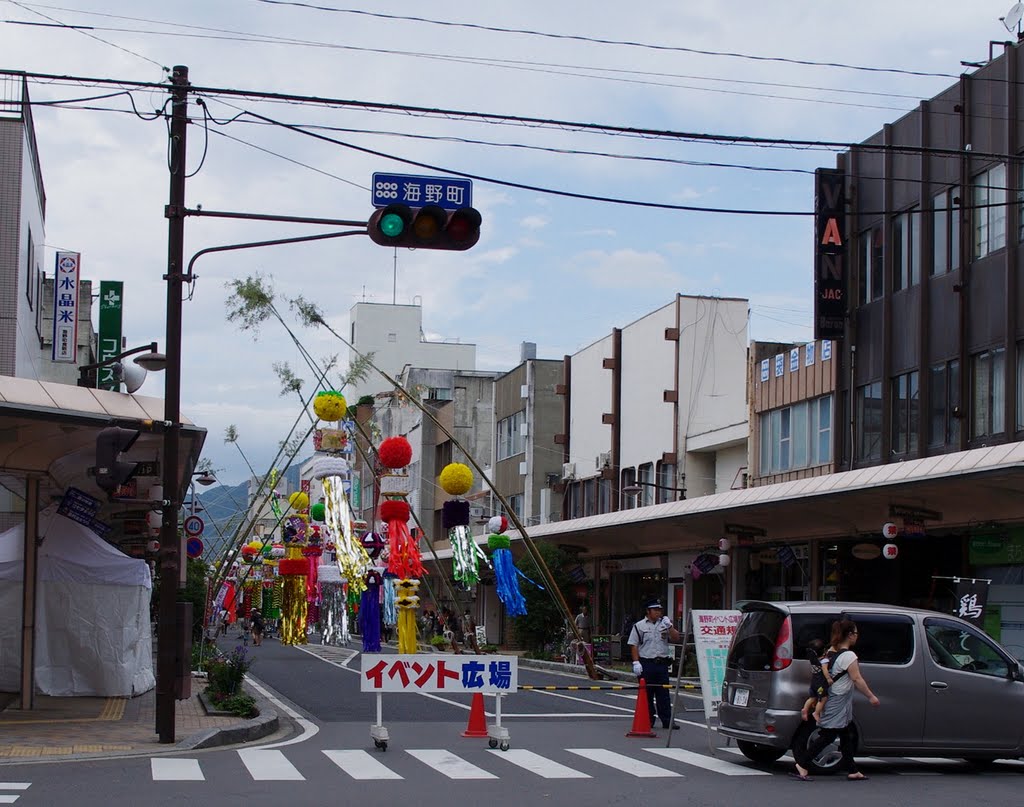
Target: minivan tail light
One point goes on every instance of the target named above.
(784, 646)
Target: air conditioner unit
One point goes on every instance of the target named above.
(476, 512)
(603, 460)
(568, 471)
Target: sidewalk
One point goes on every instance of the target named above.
(62, 728)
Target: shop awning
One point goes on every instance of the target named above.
(50, 430)
(968, 488)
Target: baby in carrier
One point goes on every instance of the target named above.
(820, 680)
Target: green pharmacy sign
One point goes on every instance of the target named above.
(109, 343)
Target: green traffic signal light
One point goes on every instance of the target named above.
(428, 227)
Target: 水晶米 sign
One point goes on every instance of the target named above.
(65, 307)
(437, 673)
(451, 193)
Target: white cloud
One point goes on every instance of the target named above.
(625, 269)
(533, 222)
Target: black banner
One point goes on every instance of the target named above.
(971, 596)
(830, 254)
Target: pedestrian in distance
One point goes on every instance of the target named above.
(583, 624)
(256, 624)
(648, 644)
(837, 717)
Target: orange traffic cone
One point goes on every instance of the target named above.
(642, 715)
(477, 720)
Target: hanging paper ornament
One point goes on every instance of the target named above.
(369, 612)
(351, 556)
(395, 452)
(294, 606)
(466, 554)
(456, 479)
(330, 405)
(404, 554)
(389, 610)
(373, 544)
(317, 512)
(324, 467)
(298, 500)
(277, 551)
(506, 582)
(407, 601)
(497, 524)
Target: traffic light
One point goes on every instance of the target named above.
(429, 227)
(111, 471)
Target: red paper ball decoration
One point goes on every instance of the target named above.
(395, 452)
(394, 510)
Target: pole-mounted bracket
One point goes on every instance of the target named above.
(174, 211)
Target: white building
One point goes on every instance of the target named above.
(394, 335)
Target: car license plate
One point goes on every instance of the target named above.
(740, 697)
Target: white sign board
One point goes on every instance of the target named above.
(65, 307)
(712, 635)
(437, 672)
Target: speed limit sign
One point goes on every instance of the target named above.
(194, 526)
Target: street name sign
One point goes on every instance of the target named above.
(449, 193)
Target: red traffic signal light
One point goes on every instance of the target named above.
(111, 471)
(429, 227)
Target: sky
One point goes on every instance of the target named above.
(550, 268)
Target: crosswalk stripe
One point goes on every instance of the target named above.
(707, 763)
(15, 785)
(935, 760)
(176, 770)
(8, 799)
(622, 763)
(542, 766)
(361, 765)
(450, 765)
(269, 766)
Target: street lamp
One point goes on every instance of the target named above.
(131, 373)
(638, 486)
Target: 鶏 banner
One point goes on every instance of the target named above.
(971, 596)
(830, 253)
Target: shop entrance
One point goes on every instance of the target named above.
(627, 592)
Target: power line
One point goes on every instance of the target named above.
(602, 41)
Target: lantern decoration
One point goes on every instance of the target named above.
(395, 452)
(318, 512)
(369, 612)
(407, 601)
(456, 479)
(330, 405)
(890, 551)
(505, 580)
(298, 500)
(251, 551)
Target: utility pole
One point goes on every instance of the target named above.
(171, 641)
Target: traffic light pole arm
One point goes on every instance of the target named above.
(188, 278)
(227, 214)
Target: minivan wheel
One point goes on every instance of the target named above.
(761, 754)
(829, 758)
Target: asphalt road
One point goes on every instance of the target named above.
(566, 748)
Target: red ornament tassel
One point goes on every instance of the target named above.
(404, 560)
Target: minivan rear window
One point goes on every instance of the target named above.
(753, 646)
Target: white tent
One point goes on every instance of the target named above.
(93, 635)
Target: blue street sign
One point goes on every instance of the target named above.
(194, 547)
(449, 193)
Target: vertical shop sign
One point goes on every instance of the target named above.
(830, 254)
(65, 307)
(971, 596)
(109, 340)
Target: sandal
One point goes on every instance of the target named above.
(802, 777)
(858, 777)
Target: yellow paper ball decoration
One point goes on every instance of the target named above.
(330, 405)
(299, 500)
(456, 478)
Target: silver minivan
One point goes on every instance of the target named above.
(946, 688)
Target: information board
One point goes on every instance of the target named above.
(712, 635)
(602, 648)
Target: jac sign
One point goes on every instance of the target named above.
(829, 253)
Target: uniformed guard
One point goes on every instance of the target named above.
(648, 642)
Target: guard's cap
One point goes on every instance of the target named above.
(654, 604)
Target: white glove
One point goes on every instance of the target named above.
(638, 668)
(666, 623)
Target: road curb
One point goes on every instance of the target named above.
(248, 731)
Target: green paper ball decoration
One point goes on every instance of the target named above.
(318, 512)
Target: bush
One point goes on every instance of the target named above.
(438, 641)
(240, 704)
(224, 675)
(203, 655)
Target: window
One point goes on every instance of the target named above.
(575, 493)
(515, 503)
(440, 394)
(1020, 386)
(944, 404)
(905, 413)
(590, 497)
(511, 441)
(666, 479)
(392, 337)
(957, 647)
(884, 638)
(906, 246)
(797, 436)
(645, 478)
(987, 393)
(945, 231)
(989, 219)
(28, 269)
(604, 495)
(869, 268)
(629, 500)
(869, 421)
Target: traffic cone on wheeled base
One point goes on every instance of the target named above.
(642, 715)
(477, 719)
